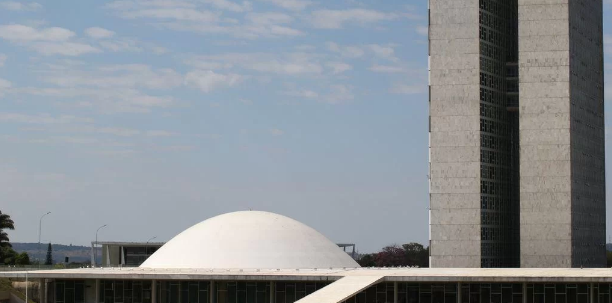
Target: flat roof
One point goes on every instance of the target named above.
(128, 243)
(475, 275)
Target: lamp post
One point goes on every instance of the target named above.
(39, 233)
(147, 245)
(95, 248)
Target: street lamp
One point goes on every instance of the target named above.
(39, 233)
(95, 249)
(147, 246)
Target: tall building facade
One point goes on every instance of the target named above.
(517, 174)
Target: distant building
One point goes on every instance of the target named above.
(133, 254)
(129, 254)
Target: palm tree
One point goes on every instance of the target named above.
(5, 223)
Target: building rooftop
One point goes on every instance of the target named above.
(475, 275)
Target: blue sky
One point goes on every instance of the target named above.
(150, 116)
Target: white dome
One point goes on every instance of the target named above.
(250, 240)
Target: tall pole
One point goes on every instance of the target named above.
(147, 245)
(95, 249)
(26, 287)
(39, 233)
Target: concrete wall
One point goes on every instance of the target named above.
(545, 133)
(454, 134)
(561, 133)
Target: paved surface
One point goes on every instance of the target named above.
(341, 290)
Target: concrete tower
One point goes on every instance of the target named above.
(516, 133)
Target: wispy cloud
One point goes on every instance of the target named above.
(346, 51)
(386, 52)
(335, 19)
(114, 76)
(276, 132)
(283, 64)
(383, 51)
(422, 30)
(99, 33)
(339, 93)
(229, 5)
(46, 41)
(17, 32)
(207, 81)
(338, 67)
(386, 69)
(160, 133)
(305, 93)
(201, 17)
(20, 6)
(408, 89)
(294, 5)
(4, 86)
(41, 118)
(2, 59)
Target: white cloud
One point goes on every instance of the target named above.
(268, 18)
(116, 76)
(207, 81)
(382, 51)
(351, 51)
(422, 30)
(339, 93)
(2, 59)
(276, 132)
(99, 33)
(46, 41)
(191, 16)
(334, 19)
(309, 94)
(408, 89)
(284, 64)
(338, 67)
(41, 118)
(173, 13)
(294, 5)
(109, 89)
(121, 132)
(121, 45)
(160, 133)
(20, 6)
(63, 48)
(4, 86)
(17, 32)
(230, 6)
(346, 51)
(386, 69)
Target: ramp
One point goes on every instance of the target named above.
(341, 290)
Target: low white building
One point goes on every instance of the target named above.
(260, 257)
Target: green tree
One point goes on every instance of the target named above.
(5, 223)
(7, 255)
(49, 260)
(416, 254)
(22, 259)
(367, 260)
